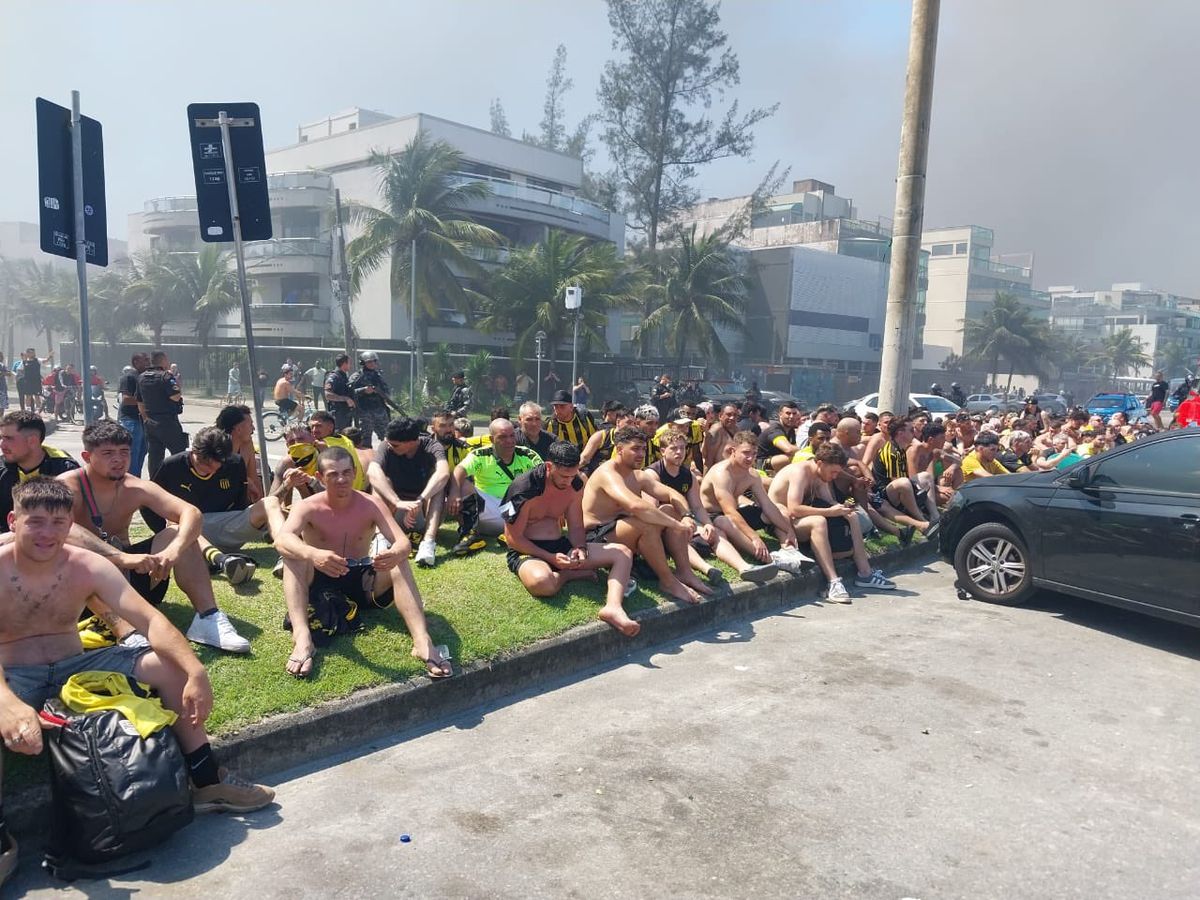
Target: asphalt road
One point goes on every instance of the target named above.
(912, 745)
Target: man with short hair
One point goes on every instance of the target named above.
(777, 444)
(304, 442)
(25, 456)
(600, 446)
(287, 398)
(212, 478)
(314, 381)
(29, 382)
(107, 496)
(531, 433)
(720, 435)
(161, 402)
(831, 528)
(662, 396)
(722, 489)
(567, 423)
(1156, 400)
(895, 493)
(685, 504)
(409, 475)
(237, 421)
(479, 483)
(616, 508)
(339, 398)
(325, 545)
(536, 505)
(128, 414)
(981, 462)
(40, 647)
(753, 418)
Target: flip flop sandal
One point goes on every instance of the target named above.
(300, 674)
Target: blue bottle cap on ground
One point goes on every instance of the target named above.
(404, 838)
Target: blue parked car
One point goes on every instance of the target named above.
(1109, 404)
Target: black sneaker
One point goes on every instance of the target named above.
(470, 542)
(238, 569)
(715, 577)
(906, 535)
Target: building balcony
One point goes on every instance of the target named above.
(288, 256)
(266, 313)
(165, 214)
(300, 189)
(525, 202)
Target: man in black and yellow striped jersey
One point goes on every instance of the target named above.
(567, 423)
(895, 494)
(25, 456)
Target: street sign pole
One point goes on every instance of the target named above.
(227, 146)
(85, 366)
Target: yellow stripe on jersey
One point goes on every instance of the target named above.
(577, 431)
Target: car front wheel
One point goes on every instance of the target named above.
(993, 565)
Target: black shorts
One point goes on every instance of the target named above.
(350, 586)
(878, 495)
(141, 582)
(840, 538)
(598, 534)
(701, 546)
(553, 545)
(286, 406)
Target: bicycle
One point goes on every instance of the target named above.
(275, 424)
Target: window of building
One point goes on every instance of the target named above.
(300, 289)
(942, 250)
(960, 249)
(301, 223)
(352, 126)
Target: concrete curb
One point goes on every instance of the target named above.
(291, 739)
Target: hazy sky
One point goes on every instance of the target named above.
(1068, 126)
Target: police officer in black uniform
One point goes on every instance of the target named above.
(370, 394)
(339, 398)
(161, 402)
(460, 401)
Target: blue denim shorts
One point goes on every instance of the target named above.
(34, 684)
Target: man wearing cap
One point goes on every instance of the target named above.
(339, 398)
(460, 401)
(370, 394)
(981, 462)
(567, 423)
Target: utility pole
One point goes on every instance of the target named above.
(343, 277)
(895, 375)
(85, 339)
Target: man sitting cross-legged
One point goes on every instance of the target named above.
(721, 490)
(804, 490)
(107, 496)
(894, 493)
(479, 483)
(536, 505)
(324, 544)
(410, 475)
(212, 478)
(685, 504)
(614, 509)
(44, 587)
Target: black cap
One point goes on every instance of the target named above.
(561, 397)
(459, 374)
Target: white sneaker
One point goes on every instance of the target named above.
(791, 560)
(425, 553)
(217, 631)
(837, 592)
(875, 580)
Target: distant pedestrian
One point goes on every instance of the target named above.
(5, 374)
(234, 387)
(314, 383)
(524, 387)
(129, 415)
(339, 398)
(370, 394)
(459, 403)
(581, 394)
(161, 402)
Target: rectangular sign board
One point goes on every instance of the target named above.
(249, 167)
(56, 184)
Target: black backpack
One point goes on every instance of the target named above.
(114, 791)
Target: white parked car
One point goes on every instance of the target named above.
(939, 407)
(981, 403)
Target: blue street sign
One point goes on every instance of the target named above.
(249, 166)
(56, 180)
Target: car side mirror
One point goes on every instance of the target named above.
(1079, 477)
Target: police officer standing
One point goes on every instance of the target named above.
(161, 402)
(339, 398)
(460, 401)
(370, 394)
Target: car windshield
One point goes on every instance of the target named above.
(934, 403)
(1107, 403)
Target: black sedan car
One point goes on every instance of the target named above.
(1122, 528)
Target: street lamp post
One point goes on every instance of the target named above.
(539, 337)
(574, 300)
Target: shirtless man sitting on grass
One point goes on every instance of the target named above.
(325, 543)
(536, 505)
(44, 586)
(721, 489)
(614, 509)
(804, 490)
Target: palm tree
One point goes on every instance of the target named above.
(1007, 329)
(1121, 353)
(49, 299)
(111, 314)
(699, 286)
(422, 214)
(1173, 357)
(527, 293)
(154, 290)
(205, 281)
(1068, 350)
